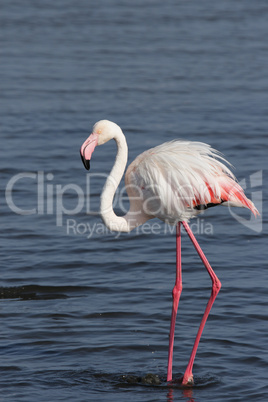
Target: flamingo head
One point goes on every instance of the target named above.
(103, 131)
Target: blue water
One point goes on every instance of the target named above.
(85, 314)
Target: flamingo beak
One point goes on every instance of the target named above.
(85, 162)
(87, 149)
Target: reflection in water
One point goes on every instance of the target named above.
(186, 393)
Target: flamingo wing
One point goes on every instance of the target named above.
(180, 178)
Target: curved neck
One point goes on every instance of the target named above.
(111, 220)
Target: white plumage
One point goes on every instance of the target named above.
(178, 177)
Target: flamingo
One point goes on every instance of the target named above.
(174, 182)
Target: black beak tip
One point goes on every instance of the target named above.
(86, 163)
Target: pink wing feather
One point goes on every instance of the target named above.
(234, 195)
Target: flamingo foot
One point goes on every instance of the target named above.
(188, 379)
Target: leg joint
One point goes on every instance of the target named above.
(176, 292)
(216, 286)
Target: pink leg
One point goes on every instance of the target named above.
(216, 285)
(176, 293)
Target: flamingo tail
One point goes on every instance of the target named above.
(232, 194)
(229, 193)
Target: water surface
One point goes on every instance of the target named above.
(84, 314)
